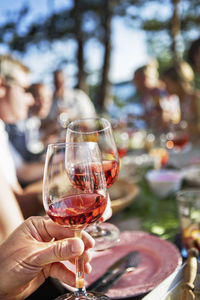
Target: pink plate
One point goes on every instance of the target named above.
(159, 258)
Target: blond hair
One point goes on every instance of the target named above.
(181, 74)
(150, 70)
(10, 66)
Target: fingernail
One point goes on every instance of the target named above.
(77, 246)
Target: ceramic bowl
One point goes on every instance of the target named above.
(164, 182)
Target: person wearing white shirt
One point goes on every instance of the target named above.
(14, 107)
(74, 102)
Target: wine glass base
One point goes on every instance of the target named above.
(108, 238)
(85, 296)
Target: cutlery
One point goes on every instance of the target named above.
(125, 264)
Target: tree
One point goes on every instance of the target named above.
(70, 24)
(92, 19)
(173, 31)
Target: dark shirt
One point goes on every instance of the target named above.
(17, 138)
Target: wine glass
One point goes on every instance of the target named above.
(122, 142)
(177, 140)
(99, 130)
(157, 150)
(75, 195)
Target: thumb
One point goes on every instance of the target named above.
(58, 251)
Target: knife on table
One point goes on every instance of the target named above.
(115, 271)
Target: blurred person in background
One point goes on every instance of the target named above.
(149, 92)
(179, 80)
(26, 136)
(42, 95)
(74, 103)
(14, 107)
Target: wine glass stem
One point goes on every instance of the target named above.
(80, 283)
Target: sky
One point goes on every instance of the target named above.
(129, 47)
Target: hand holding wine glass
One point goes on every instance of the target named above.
(75, 195)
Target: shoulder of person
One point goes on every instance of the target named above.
(81, 94)
(79, 91)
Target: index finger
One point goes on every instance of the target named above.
(49, 230)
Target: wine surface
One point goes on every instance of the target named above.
(111, 171)
(77, 210)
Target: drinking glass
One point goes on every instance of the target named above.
(33, 139)
(99, 130)
(157, 151)
(188, 203)
(177, 139)
(122, 142)
(75, 195)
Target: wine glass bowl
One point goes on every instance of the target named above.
(160, 156)
(177, 140)
(99, 130)
(157, 150)
(75, 194)
(122, 142)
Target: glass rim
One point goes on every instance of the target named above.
(76, 144)
(86, 119)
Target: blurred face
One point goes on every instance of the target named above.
(43, 101)
(17, 101)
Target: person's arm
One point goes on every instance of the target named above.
(10, 212)
(31, 254)
(29, 172)
(30, 203)
(26, 171)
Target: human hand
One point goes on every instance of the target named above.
(30, 255)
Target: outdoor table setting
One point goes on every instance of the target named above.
(159, 210)
(144, 207)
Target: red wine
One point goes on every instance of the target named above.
(180, 141)
(78, 210)
(92, 180)
(122, 152)
(111, 171)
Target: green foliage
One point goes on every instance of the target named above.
(158, 216)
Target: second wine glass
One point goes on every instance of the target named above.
(99, 130)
